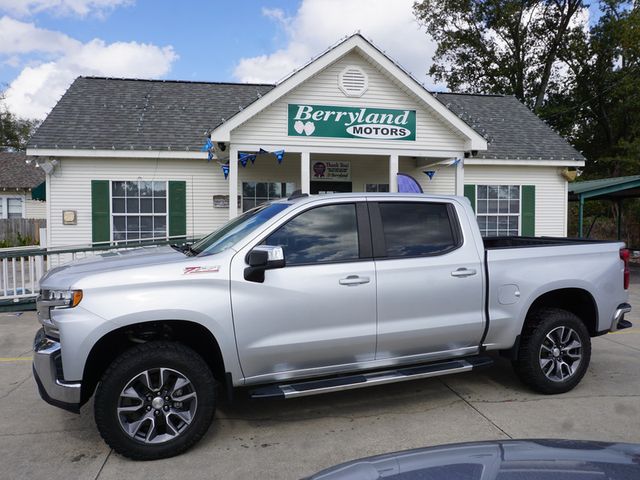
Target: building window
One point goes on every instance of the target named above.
(138, 210)
(498, 210)
(257, 193)
(11, 207)
(376, 187)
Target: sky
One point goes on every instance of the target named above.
(46, 44)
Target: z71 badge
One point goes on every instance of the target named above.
(204, 269)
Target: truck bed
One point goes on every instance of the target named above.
(493, 243)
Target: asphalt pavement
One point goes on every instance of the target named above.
(294, 438)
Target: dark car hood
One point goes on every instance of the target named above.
(500, 460)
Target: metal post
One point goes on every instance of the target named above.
(580, 214)
(619, 202)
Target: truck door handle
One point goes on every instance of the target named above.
(353, 280)
(463, 272)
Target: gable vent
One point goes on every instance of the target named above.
(353, 81)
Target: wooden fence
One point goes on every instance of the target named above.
(26, 228)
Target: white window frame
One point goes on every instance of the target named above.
(519, 185)
(4, 201)
(242, 196)
(111, 213)
(377, 187)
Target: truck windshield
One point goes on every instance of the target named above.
(236, 229)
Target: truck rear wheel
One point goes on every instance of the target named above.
(554, 353)
(155, 400)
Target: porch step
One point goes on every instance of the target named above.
(335, 384)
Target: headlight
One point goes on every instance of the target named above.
(64, 298)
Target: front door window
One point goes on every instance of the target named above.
(320, 235)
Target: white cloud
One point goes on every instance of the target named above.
(80, 8)
(20, 37)
(38, 86)
(320, 23)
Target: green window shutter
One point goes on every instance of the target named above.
(100, 212)
(528, 210)
(177, 209)
(470, 193)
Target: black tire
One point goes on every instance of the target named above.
(131, 365)
(528, 363)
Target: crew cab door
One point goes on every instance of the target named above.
(429, 281)
(318, 312)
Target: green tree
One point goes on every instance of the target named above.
(14, 131)
(599, 110)
(500, 46)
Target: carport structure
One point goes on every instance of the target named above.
(615, 189)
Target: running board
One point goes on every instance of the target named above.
(335, 384)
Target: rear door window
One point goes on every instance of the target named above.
(414, 229)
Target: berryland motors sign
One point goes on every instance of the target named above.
(351, 122)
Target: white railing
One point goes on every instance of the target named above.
(21, 268)
(20, 275)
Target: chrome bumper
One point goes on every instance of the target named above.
(618, 322)
(47, 372)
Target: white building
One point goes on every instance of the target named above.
(21, 188)
(126, 159)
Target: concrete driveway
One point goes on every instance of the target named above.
(293, 438)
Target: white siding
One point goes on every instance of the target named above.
(267, 169)
(34, 208)
(269, 127)
(70, 189)
(550, 186)
(442, 183)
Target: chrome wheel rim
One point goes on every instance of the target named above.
(157, 405)
(560, 354)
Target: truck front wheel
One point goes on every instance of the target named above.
(155, 400)
(554, 353)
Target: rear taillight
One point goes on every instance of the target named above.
(624, 256)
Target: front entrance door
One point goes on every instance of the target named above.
(330, 187)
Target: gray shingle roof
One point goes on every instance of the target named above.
(106, 113)
(126, 114)
(512, 130)
(15, 173)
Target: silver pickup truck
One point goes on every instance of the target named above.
(309, 295)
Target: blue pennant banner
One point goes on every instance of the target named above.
(225, 170)
(279, 155)
(207, 146)
(246, 157)
(430, 174)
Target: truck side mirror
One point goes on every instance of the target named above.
(262, 258)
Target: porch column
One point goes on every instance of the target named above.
(233, 182)
(305, 172)
(460, 176)
(393, 172)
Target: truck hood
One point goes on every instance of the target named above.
(66, 275)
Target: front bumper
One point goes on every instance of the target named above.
(618, 322)
(47, 371)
